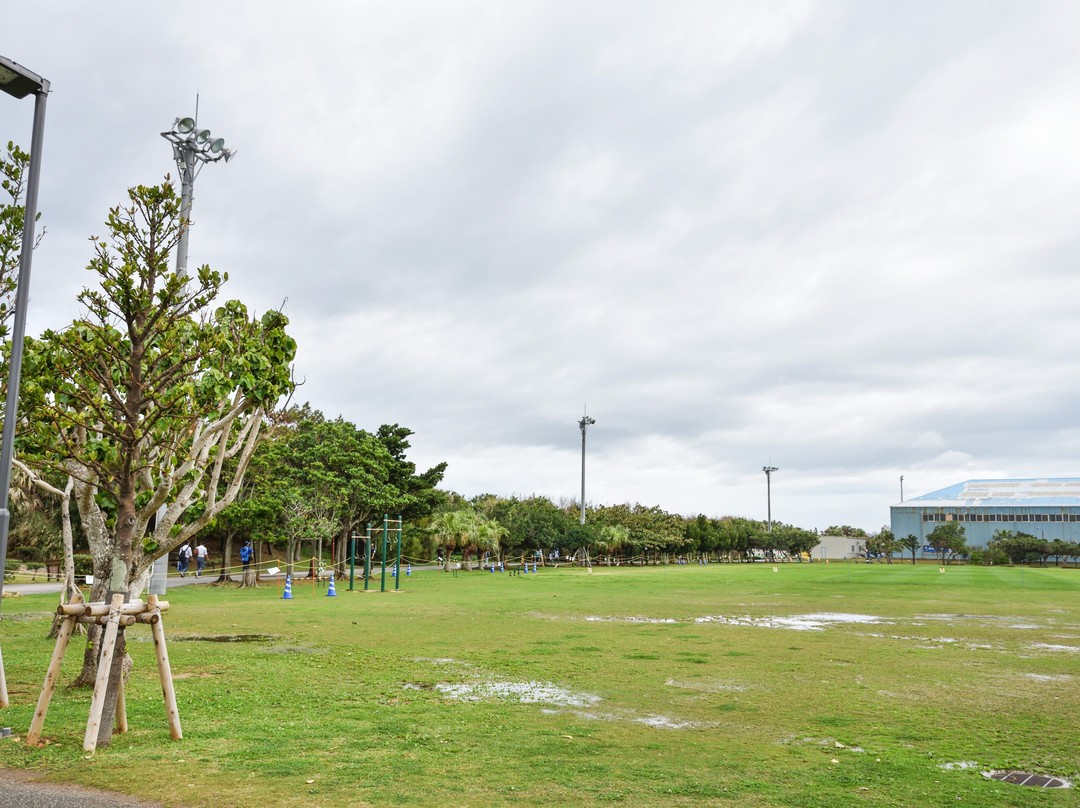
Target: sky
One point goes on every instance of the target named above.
(837, 238)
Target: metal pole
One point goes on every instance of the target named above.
(583, 474)
(768, 490)
(385, 530)
(397, 564)
(185, 162)
(22, 297)
(584, 424)
(901, 487)
(367, 557)
(352, 559)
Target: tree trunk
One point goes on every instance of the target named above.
(226, 558)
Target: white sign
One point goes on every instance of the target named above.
(273, 571)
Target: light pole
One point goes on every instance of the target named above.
(584, 423)
(17, 81)
(192, 149)
(768, 489)
(901, 487)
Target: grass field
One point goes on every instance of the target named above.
(668, 686)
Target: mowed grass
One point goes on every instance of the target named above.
(567, 688)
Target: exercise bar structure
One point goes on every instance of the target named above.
(111, 615)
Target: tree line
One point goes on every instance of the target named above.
(535, 527)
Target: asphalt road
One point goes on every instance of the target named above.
(20, 789)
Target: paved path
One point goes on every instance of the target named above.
(20, 789)
(56, 586)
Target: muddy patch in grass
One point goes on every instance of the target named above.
(224, 637)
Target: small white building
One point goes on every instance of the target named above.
(837, 548)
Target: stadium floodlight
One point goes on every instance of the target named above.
(768, 488)
(18, 82)
(192, 149)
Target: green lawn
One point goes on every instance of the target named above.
(661, 687)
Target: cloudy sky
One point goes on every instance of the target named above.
(840, 238)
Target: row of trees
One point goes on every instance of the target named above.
(631, 533)
(949, 541)
(1018, 548)
(318, 480)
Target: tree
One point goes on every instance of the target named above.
(454, 530)
(1019, 547)
(146, 397)
(14, 167)
(911, 543)
(883, 544)
(845, 530)
(947, 539)
(795, 540)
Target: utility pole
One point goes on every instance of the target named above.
(768, 489)
(584, 423)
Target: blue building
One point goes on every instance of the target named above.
(1044, 508)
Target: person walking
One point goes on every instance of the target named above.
(183, 559)
(247, 554)
(200, 559)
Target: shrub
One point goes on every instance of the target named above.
(84, 564)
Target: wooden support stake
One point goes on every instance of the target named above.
(172, 713)
(4, 700)
(62, 637)
(108, 648)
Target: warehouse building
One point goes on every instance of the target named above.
(1044, 508)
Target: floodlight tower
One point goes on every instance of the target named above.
(768, 489)
(584, 423)
(192, 149)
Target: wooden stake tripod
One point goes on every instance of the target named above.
(112, 616)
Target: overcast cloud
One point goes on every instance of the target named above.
(837, 237)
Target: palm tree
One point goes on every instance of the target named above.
(488, 535)
(454, 530)
(610, 539)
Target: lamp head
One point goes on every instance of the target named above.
(216, 145)
(184, 126)
(202, 136)
(17, 81)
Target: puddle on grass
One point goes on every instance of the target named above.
(523, 692)
(639, 619)
(1071, 649)
(556, 700)
(799, 622)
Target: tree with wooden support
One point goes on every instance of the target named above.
(113, 616)
(152, 402)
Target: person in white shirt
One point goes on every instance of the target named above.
(200, 558)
